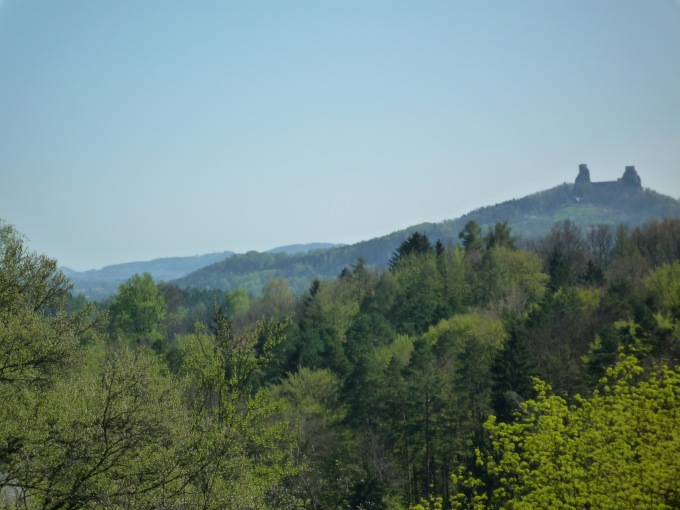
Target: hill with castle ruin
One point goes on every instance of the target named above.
(583, 202)
(629, 180)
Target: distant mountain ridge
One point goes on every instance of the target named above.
(585, 203)
(98, 284)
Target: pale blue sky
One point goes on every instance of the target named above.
(131, 130)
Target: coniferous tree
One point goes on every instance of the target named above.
(500, 235)
(471, 237)
(510, 372)
(417, 243)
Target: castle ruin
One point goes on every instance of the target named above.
(630, 179)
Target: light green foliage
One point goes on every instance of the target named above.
(35, 346)
(526, 279)
(434, 503)
(400, 350)
(315, 413)
(338, 302)
(483, 327)
(509, 278)
(243, 444)
(138, 312)
(114, 440)
(664, 283)
(28, 281)
(33, 342)
(456, 286)
(83, 426)
(314, 393)
(238, 301)
(337, 305)
(619, 448)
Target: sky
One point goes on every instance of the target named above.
(133, 130)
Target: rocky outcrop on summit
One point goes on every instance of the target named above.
(630, 179)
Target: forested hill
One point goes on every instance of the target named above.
(530, 217)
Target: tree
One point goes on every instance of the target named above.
(659, 241)
(238, 301)
(510, 375)
(27, 280)
(619, 448)
(600, 240)
(138, 312)
(316, 413)
(500, 235)
(664, 286)
(559, 330)
(471, 237)
(119, 439)
(38, 339)
(243, 443)
(564, 253)
(416, 243)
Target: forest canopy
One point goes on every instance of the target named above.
(487, 374)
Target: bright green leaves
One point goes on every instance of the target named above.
(618, 449)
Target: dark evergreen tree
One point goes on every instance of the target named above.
(472, 385)
(558, 269)
(417, 243)
(500, 235)
(593, 276)
(471, 237)
(368, 331)
(510, 372)
(313, 291)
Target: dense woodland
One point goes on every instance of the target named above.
(473, 375)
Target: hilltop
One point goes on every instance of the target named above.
(583, 202)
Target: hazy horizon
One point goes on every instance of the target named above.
(134, 131)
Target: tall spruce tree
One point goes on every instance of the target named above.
(416, 243)
(510, 372)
